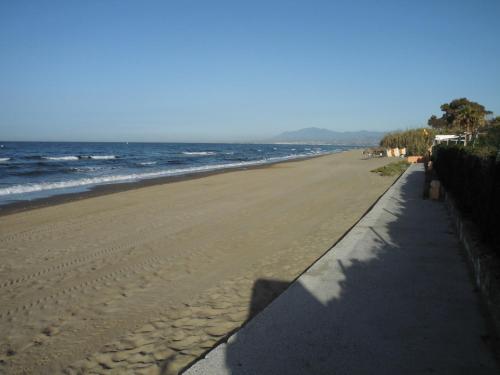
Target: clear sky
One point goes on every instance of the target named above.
(229, 70)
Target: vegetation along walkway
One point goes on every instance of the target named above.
(393, 297)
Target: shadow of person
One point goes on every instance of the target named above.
(264, 291)
(393, 297)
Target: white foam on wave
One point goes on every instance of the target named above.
(92, 181)
(102, 157)
(147, 163)
(199, 153)
(72, 157)
(91, 168)
(2, 160)
(61, 158)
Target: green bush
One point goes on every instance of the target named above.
(472, 176)
(392, 169)
(490, 139)
(416, 141)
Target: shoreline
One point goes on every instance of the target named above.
(155, 277)
(112, 188)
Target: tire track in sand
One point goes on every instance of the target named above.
(78, 261)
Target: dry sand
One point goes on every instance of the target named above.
(144, 281)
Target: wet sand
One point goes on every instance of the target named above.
(145, 280)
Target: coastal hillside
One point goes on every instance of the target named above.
(319, 136)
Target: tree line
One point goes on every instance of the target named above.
(460, 117)
(463, 116)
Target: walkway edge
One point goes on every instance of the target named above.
(371, 215)
(483, 264)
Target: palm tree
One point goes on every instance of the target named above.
(461, 115)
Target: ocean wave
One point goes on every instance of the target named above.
(90, 168)
(60, 158)
(238, 158)
(146, 163)
(92, 181)
(74, 157)
(102, 157)
(33, 173)
(3, 160)
(37, 171)
(199, 153)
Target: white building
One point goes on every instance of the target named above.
(451, 138)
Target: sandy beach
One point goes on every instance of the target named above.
(145, 280)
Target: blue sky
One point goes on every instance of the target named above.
(234, 70)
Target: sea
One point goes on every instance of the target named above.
(34, 170)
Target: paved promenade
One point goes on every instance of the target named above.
(393, 297)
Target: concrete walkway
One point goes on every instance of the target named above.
(393, 297)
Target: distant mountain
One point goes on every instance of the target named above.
(317, 135)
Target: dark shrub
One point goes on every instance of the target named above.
(472, 176)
